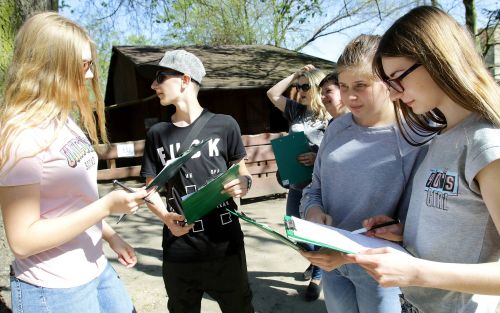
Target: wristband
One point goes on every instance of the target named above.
(249, 182)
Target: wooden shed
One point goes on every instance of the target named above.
(236, 83)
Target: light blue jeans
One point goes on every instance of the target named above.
(104, 294)
(349, 289)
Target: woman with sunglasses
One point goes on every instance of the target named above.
(51, 209)
(443, 89)
(310, 116)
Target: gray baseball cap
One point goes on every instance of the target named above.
(184, 62)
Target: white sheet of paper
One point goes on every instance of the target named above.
(124, 150)
(338, 238)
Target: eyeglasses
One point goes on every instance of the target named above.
(162, 75)
(87, 64)
(304, 87)
(395, 83)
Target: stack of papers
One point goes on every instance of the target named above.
(333, 238)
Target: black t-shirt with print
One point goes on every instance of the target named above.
(218, 233)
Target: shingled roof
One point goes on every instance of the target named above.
(232, 67)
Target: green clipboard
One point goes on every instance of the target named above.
(174, 165)
(333, 238)
(286, 149)
(292, 244)
(197, 204)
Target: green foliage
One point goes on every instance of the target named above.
(114, 22)
(190, 22)
(284, 23)
(236, 22)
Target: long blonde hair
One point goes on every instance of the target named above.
(45, 82)
(314, 77)
(434, 39)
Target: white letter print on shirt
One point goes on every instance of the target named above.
(161, 155)
(440, 185)
(213, 150)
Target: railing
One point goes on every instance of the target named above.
(260, 162)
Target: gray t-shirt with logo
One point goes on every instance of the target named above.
(447, 218)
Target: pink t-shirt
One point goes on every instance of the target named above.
(67, 174)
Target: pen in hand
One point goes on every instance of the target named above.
(364, 230)
(117, 183)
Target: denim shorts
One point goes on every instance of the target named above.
(104, 294)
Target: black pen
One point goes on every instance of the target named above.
(364, 230)
(117, 183)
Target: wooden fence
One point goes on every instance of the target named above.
(260, 162)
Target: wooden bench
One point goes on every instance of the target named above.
(260, 162)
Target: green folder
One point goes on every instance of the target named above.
(286, 150)
(292, 244)
(197, 204)
(174, 165)
(333, 238)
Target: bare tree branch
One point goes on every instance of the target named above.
(349, 13)
(378, 10)
(112, 13)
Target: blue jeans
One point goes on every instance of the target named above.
(104, 294)
(349, 289)
(292, 209)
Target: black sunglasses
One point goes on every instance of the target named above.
(162, 75)
(395, 83)
(304, 87)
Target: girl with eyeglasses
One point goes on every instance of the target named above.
(310, 116)
(51, 210)
(362, 169)
(443, 89)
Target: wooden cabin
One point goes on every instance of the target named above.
(236, 83)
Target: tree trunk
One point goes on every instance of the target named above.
(470, 16)
(12, 15)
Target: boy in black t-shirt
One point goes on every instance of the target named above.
(209, 255)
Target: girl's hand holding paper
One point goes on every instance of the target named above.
(326, 259)
(389, 267)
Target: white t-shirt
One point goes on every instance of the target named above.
(67, 174)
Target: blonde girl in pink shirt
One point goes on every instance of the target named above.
(48, 192)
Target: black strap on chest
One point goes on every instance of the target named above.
(202, 120)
